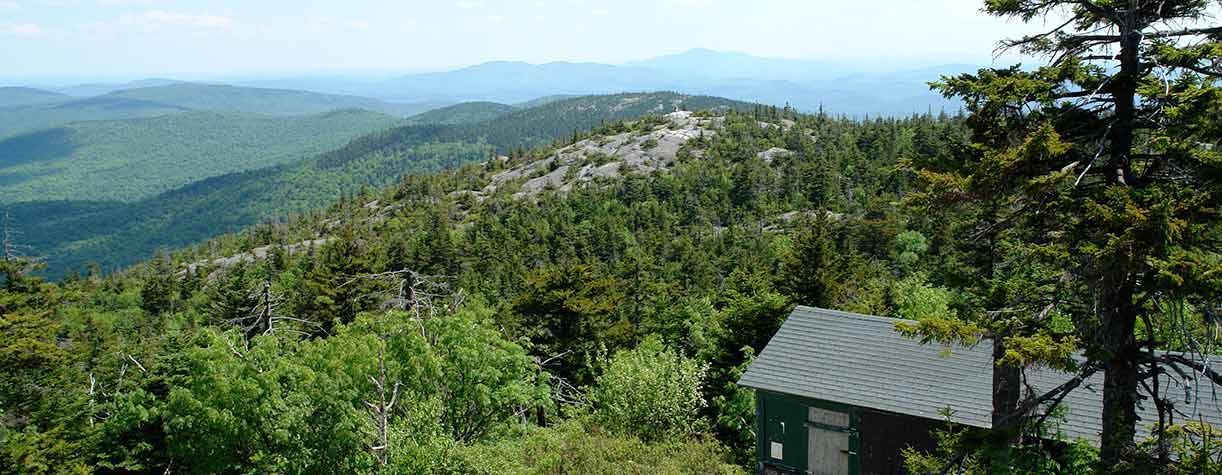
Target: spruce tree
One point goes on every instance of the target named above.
(1102, 167)
(808, 272)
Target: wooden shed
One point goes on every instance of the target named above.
(841, 393)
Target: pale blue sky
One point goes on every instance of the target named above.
(135, 38)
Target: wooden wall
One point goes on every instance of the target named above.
(883, 435)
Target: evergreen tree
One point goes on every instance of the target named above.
(808, 271)
(157, 295)
(1095, 164)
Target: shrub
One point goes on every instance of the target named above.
(651, 392)
(571, 447)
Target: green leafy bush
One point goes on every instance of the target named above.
(572, 448)
(651, 392)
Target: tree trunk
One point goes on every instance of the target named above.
(1120, 376)
(1124, 91)
(1115, 296)
(1007, 389)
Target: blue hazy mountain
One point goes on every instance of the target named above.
(512, 82)
(841, 88)
(33, 111)
(24, 96)
(97, 89)
(708, 64)
(854, 89)
(197, 96)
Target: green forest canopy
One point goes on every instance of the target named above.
(514, 333)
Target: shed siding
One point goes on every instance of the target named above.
(791, 412)
(862, 361)
(884, 436)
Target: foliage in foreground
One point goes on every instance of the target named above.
(574, 448)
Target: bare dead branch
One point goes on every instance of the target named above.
(138, 365)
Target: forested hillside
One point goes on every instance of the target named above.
(544, 100)
(178, 97)
(463, 113)
(593, 328)
(75, 233)
(100, 88)
(33, 117)
(127, 160)
(263, 101)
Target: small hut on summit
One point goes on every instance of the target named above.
(841, 393)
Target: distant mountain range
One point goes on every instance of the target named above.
(27, 109)
(98, 89)
(808, 85)
(24, 96)
(708, 64)
(840, 88)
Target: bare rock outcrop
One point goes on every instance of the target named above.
(607, 157)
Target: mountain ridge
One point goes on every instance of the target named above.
(853, 89)
(72, 234)
(129, 159)
(20, 96)
(178, 97)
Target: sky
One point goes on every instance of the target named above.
(128, 39)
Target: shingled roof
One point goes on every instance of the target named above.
(861, 360)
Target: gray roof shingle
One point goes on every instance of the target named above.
(860, 360)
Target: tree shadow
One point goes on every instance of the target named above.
(41, 146)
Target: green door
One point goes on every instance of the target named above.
(783, 442)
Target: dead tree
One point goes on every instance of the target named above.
(15, 265)
(380, 410)
(6, 239)
(10, 251)
(263, 319)
(412, 291)
(420, 295)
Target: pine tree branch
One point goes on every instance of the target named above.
(1214, 30)
(1090, 6)
(1056, 396)
(1199, 70)
(1202, 368)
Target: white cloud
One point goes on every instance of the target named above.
(162, 18)
(9, 5)
(26, 30)
(468, 4)
(601, 12)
